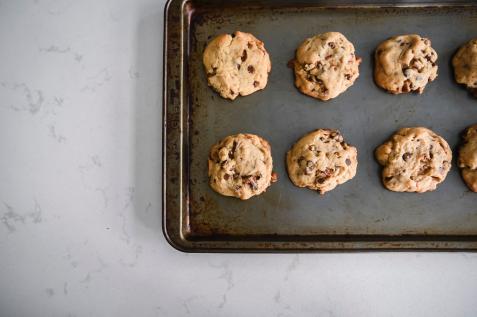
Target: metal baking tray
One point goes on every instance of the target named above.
(358, 215)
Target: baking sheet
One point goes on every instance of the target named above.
(360, 214)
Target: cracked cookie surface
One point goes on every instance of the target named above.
(414, 160)
(325, 65)
(241, 166)
(405, 63)
(468, 157)
(465, 66)
(236, 64)
(321, 160)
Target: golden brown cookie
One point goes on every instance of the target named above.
(465, 65)
(241, 166)
(325, 65)
(405, 63)
(414, 160)
(236, 64)
(468, 157)
(321, 160)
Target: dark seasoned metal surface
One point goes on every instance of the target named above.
(360, 214)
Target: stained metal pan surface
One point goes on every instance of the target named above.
(358, 215)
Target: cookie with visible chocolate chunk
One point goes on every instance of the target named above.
(405, 63)
(325, 65)
(236, 64)
(321, 160)
(468, 157)
(241, 166)
(414, 160)
(465, 66)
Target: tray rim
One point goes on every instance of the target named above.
(174, 133)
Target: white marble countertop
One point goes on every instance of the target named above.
(80, 212)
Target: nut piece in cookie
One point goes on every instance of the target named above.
(236, 64)
(465, 66)
(325, 65)
(414, 160)
(241, 166)
(405, 63)
(321, 160)
(468, 157)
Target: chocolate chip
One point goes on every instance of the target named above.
(320, 180)
(213, 72)
(234, 146)
(308, 171)
(232, 92)
(405, 87)
(238, 66)
(251, 181)
(331, 44)
(244, 56)
(322, 176)
(226, 176)
(274, 177)
(406, 156)
(312, 147)
(250, 69)
(328, 57)
(348, 162)
(424, 170)
(347, 76)
(256, 83)
(249, 45)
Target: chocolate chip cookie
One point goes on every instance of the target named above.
(414, 160)
(468, 157)
(465, 66)
(325, 65)
(405, 63)
(321, 160)
(241, 166)
(236, 64)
